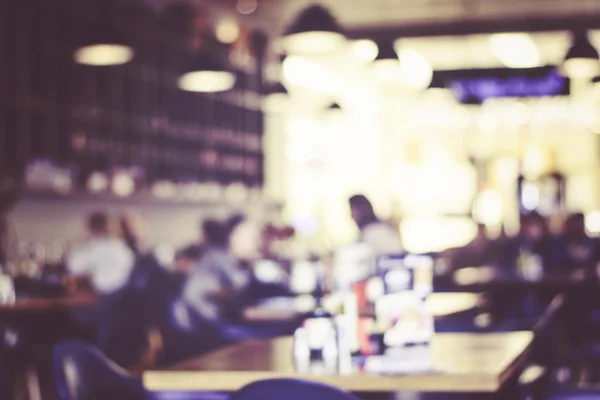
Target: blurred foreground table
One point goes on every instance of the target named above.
(463, 362)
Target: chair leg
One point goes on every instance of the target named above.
(33, 383)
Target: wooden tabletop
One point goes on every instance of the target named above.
(439, 304)
(40, 304)
(464, 362)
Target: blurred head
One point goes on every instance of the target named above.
(574, 226)
(361, 210)
(213, 233)
(244, 238)
(98, 223)
(534, 227)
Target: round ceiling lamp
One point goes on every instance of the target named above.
(596, 86)
(314, 32)
(386, 65)
(207, 76)
(438, 90)
(415, 70)
(334, 107)
(246, 7)
(276, 98)
(582, 59)
(364, 50)
(104, 47)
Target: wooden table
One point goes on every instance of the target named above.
(439, 304)
(36, 304)
(464, 362)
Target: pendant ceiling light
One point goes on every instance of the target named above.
(104, 47)
(206, 75)
(334, 106)
(387, 65)
(596, 86)
(582, 60)
(276, 98)
(438, 90)
(315, 31)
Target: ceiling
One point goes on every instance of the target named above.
(374, 17)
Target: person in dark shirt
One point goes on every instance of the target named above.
(534, 238)
(578, 250)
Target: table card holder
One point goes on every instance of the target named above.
(402, 315)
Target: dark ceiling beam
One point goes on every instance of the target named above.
(457, 28)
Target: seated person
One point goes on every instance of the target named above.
(578, 250)
(217, 289)
(109, 263)
(534, 238)
(104, 258)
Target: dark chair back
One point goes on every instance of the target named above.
(575, 394)
(290, 389)
(82, 372)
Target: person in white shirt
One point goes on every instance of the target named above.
(381, 237)
(105, 259)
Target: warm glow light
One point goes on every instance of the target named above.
(592, 222)
(364, 51)
(534, 162)
(581, 68)
(164, 190)
(415, 70)
(298, 71)
(424, 234)
(312, 42)
(387, 70)
(123, 185)
(530, 196)
(227, 30)
(275, 102)
(515, 50)
(97, 182)
(246, 7)
(207, 81)
(104, 54)
(488, 207)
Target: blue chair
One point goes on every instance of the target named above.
(290, 389)
(575, 394)
(82, 372)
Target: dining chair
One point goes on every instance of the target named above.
(290, 389)
(83, 372)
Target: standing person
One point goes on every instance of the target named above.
(105, 259)
(381, 237)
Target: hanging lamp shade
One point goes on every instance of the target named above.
(386, 65)
(438, 89)
(103, 46)
(206, 75)
(275, 98)
(314, 31)
(596, 86)
(582, 59)
(334, 106)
